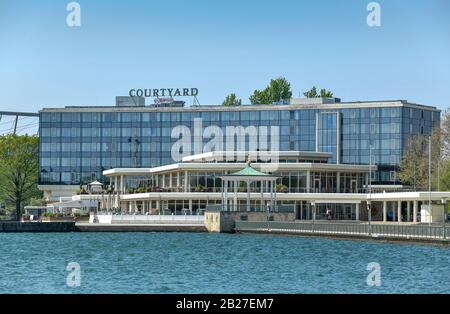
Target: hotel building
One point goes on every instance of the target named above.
(78, 144)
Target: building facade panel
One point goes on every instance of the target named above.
(77, 144)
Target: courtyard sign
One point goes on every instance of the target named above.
(164, 92)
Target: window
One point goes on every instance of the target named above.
(374, 128)
(392, 176)
(373, 112)
(87, 132)
(395, 127)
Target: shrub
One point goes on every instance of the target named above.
(52, 215)
(141, 190)
(199, 188)
(281, 188)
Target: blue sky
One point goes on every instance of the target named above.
(222, 46)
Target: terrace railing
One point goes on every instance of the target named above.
(417, 231)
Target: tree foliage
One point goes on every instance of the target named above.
(445, 134)
(444, 178)
(414, 166)
(278, 90)
(232, 100)
(414, 163)
(325, 93)
(19, 170)
(312, 93)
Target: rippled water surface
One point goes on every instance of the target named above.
(215, 263)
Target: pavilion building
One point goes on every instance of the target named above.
(302, 183)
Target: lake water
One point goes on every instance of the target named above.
(215, 263)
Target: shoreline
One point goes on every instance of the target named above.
(33, 227)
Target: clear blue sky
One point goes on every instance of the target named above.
(222, 46)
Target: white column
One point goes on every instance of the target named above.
(248, 195)
(235, 201)
(275, 195)
(225, 195)
(301, 211)
(121, 185)
(261, 205)
(157, 207)
(308, 181)
(415, 209)
(357, 211)
(399, 211)
(271, 195)
(186, 181)
(408, 211)
(338, 182)
(384, 211)
(394, 215)
(190, 206)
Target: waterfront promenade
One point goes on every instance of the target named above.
(435, 233)
(390, 231)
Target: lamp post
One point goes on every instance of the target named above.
(429, 182)
(369, 216)
(313, 210)
(444, 216)
(369, 202)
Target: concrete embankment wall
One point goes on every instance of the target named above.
(15, 226)
(225, 221)
(89, 227)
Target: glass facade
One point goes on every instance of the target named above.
(209, 181)
(77, 144)
(327, 137)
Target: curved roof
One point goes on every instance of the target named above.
(249, 173)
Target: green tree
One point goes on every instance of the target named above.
(279, 89)
(414, 166)
(445, 134)
(325, 93)
(260, 97)
(444, 183)
(312, 93)
(232, 100)
(19, 170)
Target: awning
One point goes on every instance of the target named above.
(76, 204)
(95, 183)
(337, 202)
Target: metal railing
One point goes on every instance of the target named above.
(416, 231)
(149, 219)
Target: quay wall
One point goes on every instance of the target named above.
(98, 227)
(16, 226)
(225, 221)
